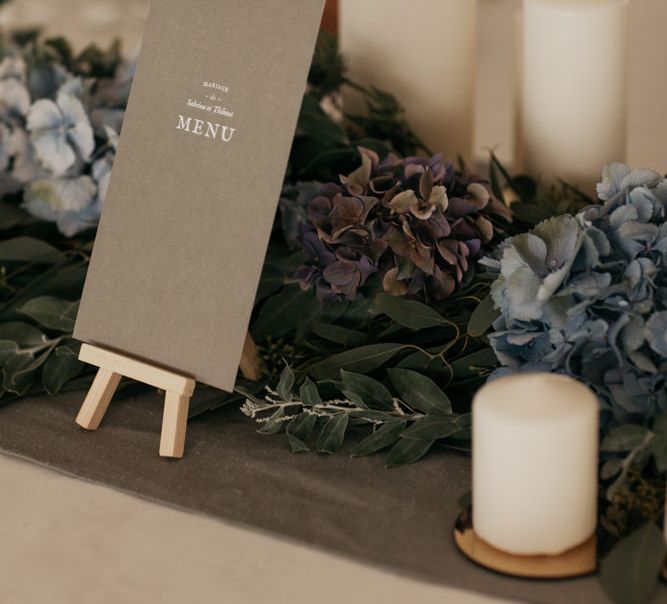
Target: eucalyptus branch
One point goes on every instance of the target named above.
(264, 410)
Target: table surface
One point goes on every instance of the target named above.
(66, 541)
(399, 520)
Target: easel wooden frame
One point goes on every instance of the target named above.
(178, 390)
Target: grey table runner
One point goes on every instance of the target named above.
(400, 519)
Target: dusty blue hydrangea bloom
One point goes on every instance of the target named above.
(59, 131)
(587, 295)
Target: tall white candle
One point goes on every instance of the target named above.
(574, 88)
(535, 463)
(424, 53)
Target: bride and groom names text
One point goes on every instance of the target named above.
(207, 128)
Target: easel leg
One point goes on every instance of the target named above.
(174, 422)
(98, 399)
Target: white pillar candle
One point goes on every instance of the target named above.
(574, 88)
(424, 53)
(535, 463)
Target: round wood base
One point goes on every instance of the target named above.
(576, 562)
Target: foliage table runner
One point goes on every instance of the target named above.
(400, 520)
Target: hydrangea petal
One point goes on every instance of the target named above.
(45, 122)
(563, 236)
(79, 130)
(521, 290)
(641, 178)
(14, 97)
(44, 115)
(13, 67)
(533, 251)
(402, 202)
(612, 176)
(656, 333)
(60, 194)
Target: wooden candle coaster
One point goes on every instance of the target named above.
(576, 562)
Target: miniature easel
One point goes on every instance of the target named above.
(178, 390)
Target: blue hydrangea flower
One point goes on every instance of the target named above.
(587, 295)
(58, 135)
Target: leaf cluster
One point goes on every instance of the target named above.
(355, 353)
(40, 285)
(327, 135)
(320, 415)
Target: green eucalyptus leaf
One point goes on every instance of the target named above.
(474, 364)
(247, 393)
(314, 123)
(275, 423)
(353, 397)
(272, 281)
(611, 468)
(482, 317)
(360, 311)
(432, 428)
(423, 362)
(74, 346)
(385, 436)
(371, 392)
(625, 438)
(61, 367)
(420, 392)
(409, 313)
(11, 216)
(27, 249)
(20, 372)
(286, 383)
(309, 393)
(407, 451)
(360, 360)
(52, 313)
(26, 336)
(296, 445)
(299, 430)
(333, 433)
(496, 187)
(629, 574)
(340, 335)
(284, 313)
(8, 349)
(365, 416)
(64, 280)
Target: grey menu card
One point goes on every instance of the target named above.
(196, 181)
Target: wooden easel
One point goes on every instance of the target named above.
(178, 390)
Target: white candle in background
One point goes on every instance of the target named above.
(535, 463)
(423, 52)
(574, 88)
